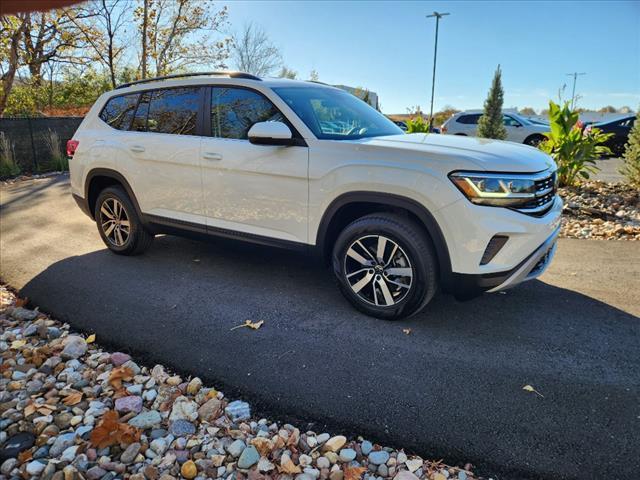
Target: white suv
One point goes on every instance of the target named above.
(303, 165)
(519, 129)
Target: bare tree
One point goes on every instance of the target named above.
(144, 27)
(102, 25)
(179, 35)
(287, 73)
(11, 33)
(50, 37)
(253, 52)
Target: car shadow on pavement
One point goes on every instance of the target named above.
(178, 303)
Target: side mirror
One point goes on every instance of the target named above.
(270, 133)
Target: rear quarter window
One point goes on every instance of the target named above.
(469, 119)
(118, 111)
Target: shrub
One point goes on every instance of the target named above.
(417, 125)
(631, 157)
(8, 165)
(574, 150)
(59, 161)
(491, 124)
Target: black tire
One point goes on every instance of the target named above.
(138, 239)
(461, 134)
(413, 248)
(533, 140)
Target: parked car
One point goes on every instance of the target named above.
(301, 165)
(519, 129)
(620, 128)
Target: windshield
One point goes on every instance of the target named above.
(333, 114)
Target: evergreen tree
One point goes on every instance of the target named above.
(490, 124)
(631, 157)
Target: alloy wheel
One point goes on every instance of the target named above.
(115, 222)
(378, 270)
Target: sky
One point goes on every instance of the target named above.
(387, 47)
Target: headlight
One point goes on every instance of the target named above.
(503, 189)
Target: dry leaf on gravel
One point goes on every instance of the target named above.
(287, 466)
(72, 399)
(118, 375)
(250, 324)
(91, 338)
(16, 344)
(111, 432)
(529, 388)
(353, 473)
(263, 445)
(21, 302)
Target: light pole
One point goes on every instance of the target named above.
(573, 91)
(438, 16)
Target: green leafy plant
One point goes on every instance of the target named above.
(575, 150)
(417, 125)
(491, 124)
(59, 161)
(8, 165)
(631, 157)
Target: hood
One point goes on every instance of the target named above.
(485, 154)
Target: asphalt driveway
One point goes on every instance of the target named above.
(451, 389)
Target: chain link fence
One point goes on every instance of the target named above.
(30, 138)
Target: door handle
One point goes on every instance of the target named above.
(212, 156)
(136, 148)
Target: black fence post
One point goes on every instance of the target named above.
(34, 160)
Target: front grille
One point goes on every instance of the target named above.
(546, 189)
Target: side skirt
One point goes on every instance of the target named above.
(171, 226)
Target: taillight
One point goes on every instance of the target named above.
(443, 129)
(72, 146)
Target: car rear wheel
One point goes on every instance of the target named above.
(118, 223)
(385, 266)
(534, 140)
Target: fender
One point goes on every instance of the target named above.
(419, 210)
(106, 172)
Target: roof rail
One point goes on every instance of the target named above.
(195, 74)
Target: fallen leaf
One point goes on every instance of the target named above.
(72, 399)
(110, 431)
(529, 388)
(16, 344)
(263, 445)
(29, 410)
(25, 456)
(91, 338)
(21, 302)
(406, 331)
(118, 375)
(353, 473)
(287, 466)
(250, 324)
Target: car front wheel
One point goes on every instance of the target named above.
(385, 266)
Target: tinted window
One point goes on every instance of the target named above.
(469, 119)
(173, 110)
(235, 110)
(510, 121)
(118, 111)
(335, 114)
(139, 123)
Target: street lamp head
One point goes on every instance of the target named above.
(437, 15)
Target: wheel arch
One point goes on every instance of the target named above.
(100, 178)
(532, 136)
(349, 206)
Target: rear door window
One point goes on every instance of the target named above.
(174, 111)
(118, 111)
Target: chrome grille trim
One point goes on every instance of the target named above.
(546, 189)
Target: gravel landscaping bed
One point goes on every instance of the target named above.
(601, 210)
(71, 411)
